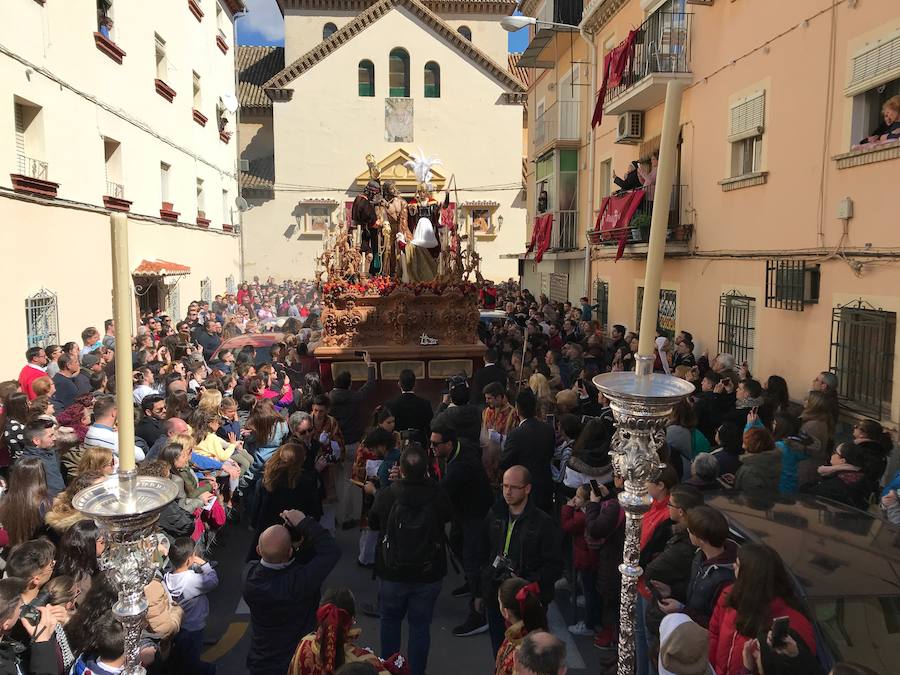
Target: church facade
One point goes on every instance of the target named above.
(360, 87)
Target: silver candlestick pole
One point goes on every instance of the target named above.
(126, 508)
(641, 403)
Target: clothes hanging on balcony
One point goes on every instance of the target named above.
(615, 215)
(615, 63)
(540, 236)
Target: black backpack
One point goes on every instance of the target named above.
(413, 540)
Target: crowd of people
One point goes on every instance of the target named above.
(509, 479)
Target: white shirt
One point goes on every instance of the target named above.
(101, 436)
(141, 391)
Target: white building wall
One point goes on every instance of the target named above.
(48, 57)
(477, 137)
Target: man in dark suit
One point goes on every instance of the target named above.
(491, 372)
(410, 410)
(531, 445)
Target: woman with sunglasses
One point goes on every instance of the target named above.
(844, 480)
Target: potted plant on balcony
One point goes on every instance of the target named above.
(640, 227)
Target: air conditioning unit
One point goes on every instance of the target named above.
(631, 127)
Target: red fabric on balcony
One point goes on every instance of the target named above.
(615, 214)
(540, 236)
(614, 66)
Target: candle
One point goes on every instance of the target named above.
(122, 299)
(665, 173)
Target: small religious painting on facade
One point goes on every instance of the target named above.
(398, 120)
(481, 221)
(319, 219)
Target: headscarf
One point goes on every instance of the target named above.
(332, 620)
(660, 343)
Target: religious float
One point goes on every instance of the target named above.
(400, 280)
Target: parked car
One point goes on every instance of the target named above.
(845, 563)
(261, 341)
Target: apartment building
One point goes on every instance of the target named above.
(107, 106)
(387, 79)
(782, 240)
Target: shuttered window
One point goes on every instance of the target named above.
(20, 129)
(878, 64)
(747, 117)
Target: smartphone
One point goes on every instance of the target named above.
(780, 627)
(654, 591)
(595, 488)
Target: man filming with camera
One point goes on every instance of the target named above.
(282, 589)
(522, 541)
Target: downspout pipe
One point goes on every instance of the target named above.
(588, 37)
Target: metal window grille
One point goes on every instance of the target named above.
(791, 284)
(862, 356)
(173, 303)
(42, 318)
(206, 290)
(601, 300)
(230, 286)
(737, 319)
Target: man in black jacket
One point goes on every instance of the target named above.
(411, 411)
(466, 484)
(36, 656)
(531, 444)
(520, 540)
(463, 417)
(411, 559)
(346, 404)
(150, 427)
(283, 592)
(67, 385)
(491, 372)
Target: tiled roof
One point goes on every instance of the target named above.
(159, 268)
(255, 66)
(522, 74)
(370, 16)
(260, 175)
(444, 6)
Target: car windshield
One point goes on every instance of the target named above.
(865, 630)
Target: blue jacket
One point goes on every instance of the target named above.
(50, 460)
(894, 484)
(793, 451)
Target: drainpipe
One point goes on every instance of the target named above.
(588, 38)
(237, 146)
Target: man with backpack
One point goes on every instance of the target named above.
(411, 557)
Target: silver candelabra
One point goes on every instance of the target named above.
(126, 508)
(641, 403)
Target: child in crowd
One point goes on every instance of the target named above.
(188, 583)
(585, 559)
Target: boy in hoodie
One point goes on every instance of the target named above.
(107, 655)
(188, 583)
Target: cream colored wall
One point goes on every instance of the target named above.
(476, 136)
(303, 29)
(256, 136)
(487, 34)
(58, 37)
(76, 265)
(781, 215)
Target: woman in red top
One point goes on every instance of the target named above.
(761, 593)
(585, 559)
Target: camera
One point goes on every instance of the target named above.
(502, 568)
(30, 611)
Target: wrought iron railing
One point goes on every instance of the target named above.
(663, 45)
(116, 190)
(637, 231)
(33, 168)
(558, 122)
(564, 235)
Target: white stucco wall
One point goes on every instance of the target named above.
(324, 133)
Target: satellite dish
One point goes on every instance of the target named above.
(230, 102)
(242, 204)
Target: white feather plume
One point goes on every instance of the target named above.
(421, 165)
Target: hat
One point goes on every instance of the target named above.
(90, 360)
(683, 646)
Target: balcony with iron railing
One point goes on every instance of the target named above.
(558, 126)
(564, 235)
(115, 190)
(662, 52)
(31, 177)
(566, 14)
(31, 167)
(679, 227)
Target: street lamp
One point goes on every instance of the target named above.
(518, 22)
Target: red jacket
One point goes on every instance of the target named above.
(726, 644)
(573, 524)
(27, 377)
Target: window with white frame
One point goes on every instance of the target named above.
(606, 175)
(745, 133)
(230, 286)
(162, 62)
(206, 290)
(112, 162)
(198, 99)
(30, 152)
(874, 86)
(318, 218)
(226, 208)
(164, 171)
(42, 318)
(201, 199)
